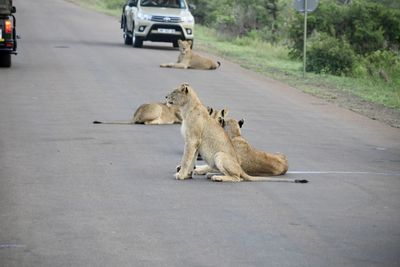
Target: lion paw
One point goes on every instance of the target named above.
(178, 168)
(216, 178)
(209, 175)
(179, 176)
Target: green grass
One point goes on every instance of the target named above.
(101, 6)
(273, 61)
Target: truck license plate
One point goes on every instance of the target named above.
(160, 30)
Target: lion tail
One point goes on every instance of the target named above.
(215, 66)
(112, 122)
(247, 177)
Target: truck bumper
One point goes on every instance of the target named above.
(164, 33)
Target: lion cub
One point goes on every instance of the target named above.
(253, 161)
(153, 113)
(189, 60)
(203, 134)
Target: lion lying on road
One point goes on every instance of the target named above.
(253, 161)
(153, 113)
(203, 134)
(189, 60)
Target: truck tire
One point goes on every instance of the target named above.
(127, 37)
(137, 41)
(5, 60)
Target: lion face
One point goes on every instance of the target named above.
(232, 126)
(184, 46)
(179, 96)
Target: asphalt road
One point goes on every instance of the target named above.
(77, 194)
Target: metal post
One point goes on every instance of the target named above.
(305, 38)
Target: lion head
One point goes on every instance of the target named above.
(185, 46)
(232, 126)
(180, 96)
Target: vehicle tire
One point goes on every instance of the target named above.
(5, 60)
(175, 44)
(127, 37)
(137, 41)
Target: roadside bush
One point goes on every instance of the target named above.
(383, 65)
(267, 18)
(367, 26)
(361, 29)
(326, 54)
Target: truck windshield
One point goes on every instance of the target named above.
(164, 3)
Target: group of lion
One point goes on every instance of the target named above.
(207, 132)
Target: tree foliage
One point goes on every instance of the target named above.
(361, 26)
(240, 17)
(365, 25)
(342, 33)
(327, 54)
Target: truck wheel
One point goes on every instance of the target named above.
(127, 36)
(137, 42)
(127, 39)
(5, 60)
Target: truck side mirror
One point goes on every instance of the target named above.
(132, 3)
(13, 9)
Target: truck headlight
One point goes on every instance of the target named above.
(144, 16)
(188, 19)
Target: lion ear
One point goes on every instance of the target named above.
(224, 112)
(241, 122)
(179, 41)
(185, 88)
(190, 42)
(210, 110)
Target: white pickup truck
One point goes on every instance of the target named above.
(156, 20)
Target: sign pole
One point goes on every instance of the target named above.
(305, 6)
(305, 38)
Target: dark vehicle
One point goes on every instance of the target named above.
(8, 36)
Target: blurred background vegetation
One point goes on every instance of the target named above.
(352, 38)
(352, 45)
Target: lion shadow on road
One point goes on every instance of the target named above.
(158, 46)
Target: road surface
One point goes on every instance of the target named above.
(77, 194)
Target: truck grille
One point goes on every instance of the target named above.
(166, 19)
